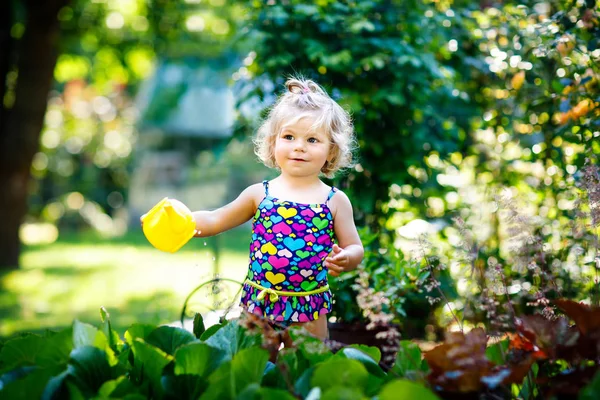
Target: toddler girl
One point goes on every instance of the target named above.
(302, 229)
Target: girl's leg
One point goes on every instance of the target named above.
(318, 327)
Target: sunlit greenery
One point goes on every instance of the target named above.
(76, 276)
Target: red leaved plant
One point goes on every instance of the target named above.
(461, 365)
(578, 345)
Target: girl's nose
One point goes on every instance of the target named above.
(299, 145)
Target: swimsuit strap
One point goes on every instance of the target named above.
(266, 185)
(331, 193)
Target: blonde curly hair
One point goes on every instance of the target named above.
(305, 98)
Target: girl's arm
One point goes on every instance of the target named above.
(210, 223)
(349, 251)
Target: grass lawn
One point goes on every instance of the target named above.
(73, 277)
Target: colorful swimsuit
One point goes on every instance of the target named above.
(286, 279)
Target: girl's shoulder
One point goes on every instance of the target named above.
(339, 201)
(254, 193)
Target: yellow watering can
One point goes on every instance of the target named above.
(168, 225)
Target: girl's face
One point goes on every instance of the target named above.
(300, 151)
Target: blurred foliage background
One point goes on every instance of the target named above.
(477, 124)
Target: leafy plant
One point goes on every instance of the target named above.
(241, 359)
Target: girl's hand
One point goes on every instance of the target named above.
(337, 261)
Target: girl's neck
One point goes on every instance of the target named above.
(297, 182)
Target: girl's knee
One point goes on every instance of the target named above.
(317, 328)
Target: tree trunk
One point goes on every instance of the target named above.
(21, 124)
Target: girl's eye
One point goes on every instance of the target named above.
(288, 137)
(312, 140)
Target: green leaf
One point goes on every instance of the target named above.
(496, 352)
(341, 392)
(592, 390)
(232, 338)
(88, 335)
(220, 384)
(371, 365)
(20, 352)
(248, 367)
(361, 25)
(89, 369)
(302, 385)
(286, 360)
(169, 338)
(198, 359)
(403, 389)
(121, 387)
(114, 341)
(148, 363)
(233, 377)
(183, 386)
(30, 386)
(340, 372)
(408, 359)
(55, 388)
(57, 349)
(210, 331)
(255, 392)
(138, 331)
(199, 328)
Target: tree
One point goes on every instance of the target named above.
(390, 64)
(26, 70)
(106, 47)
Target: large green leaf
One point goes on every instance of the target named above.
(371, 351)
(120, 388)
(30, 386)
(169, 338)
(21, 351)
(138, 331)
(233, 377)
(256, 392)
(403, 389)
(57, 349)
(285, 371)
(338, 371)
(55, 388)
(232, 338)
(342, 392)
(248, 367)
(365, 359)
(220, 384)
(198, 359)
(89, 369)
(88, 335)
(177, 387)
(148, 363)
